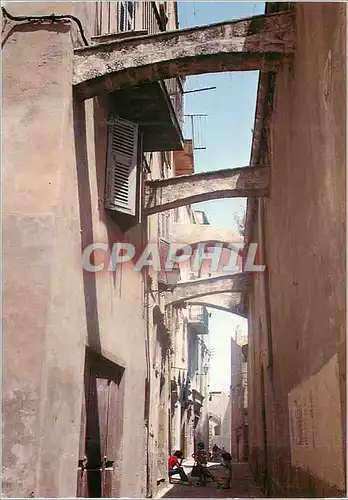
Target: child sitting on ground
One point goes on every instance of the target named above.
(175, 467)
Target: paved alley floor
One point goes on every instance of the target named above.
(243, 485)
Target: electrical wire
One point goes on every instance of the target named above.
(51, 17)
(194, 12)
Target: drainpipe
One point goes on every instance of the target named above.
(147, 399)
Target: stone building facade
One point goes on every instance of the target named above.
(87, 377)
(190, 332)
(297, 309)
(239, 396)
(219, 411)
(86, 355)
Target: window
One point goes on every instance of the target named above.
(217, 430)
(183, 352)
(163, 226)
(192, 348)
(122, 167)
(126, 16)
(163, 253)
(165, 164)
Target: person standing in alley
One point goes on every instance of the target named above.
(201, 465)
(227, 465)
(216, 451)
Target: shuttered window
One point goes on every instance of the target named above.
(164, 226)
(121, 182)
(126, 15)
(163, 254)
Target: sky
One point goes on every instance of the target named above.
(226, 133)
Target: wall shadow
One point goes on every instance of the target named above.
(85, 208)
(9, 30)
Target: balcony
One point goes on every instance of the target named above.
(157, 107)
(198, 319)
(175, 90)
(166, 279)
(157, 112)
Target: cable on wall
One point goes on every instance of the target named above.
(51, 17)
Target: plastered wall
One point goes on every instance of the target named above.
(293, 341)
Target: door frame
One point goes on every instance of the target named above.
(104, 368)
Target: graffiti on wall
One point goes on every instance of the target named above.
(315, 425)
(302, 421)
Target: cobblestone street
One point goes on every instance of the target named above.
(243, 485)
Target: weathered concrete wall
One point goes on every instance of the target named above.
(44, 323)
(118, 296)
(305, 241)
(238, 393)
(54, 172)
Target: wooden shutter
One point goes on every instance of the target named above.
(121, 182)
(163, 254)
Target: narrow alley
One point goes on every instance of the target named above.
(174, 248)
(243, 486)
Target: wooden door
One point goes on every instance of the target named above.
(112, 457)
(101, 430)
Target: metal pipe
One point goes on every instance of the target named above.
(198, 90)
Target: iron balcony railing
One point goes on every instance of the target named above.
(198, 314)
(150, 19)
(175, 90)
(174, 86)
